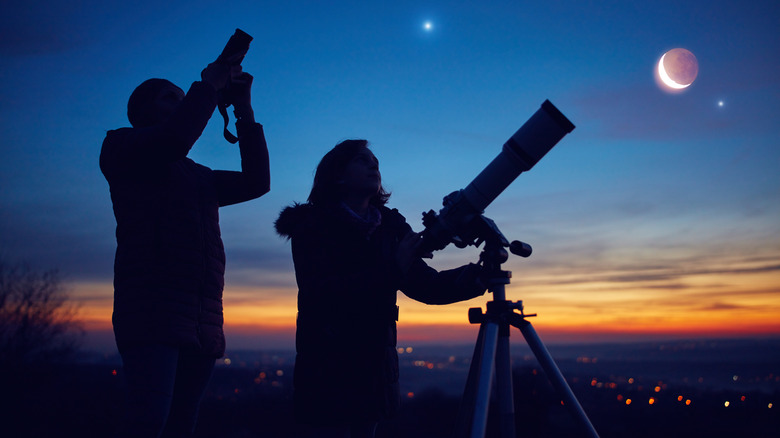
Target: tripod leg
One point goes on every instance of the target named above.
(554, 375)
(506, 402)
(476, 398)
(466, 410)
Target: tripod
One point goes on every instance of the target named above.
(491, 352)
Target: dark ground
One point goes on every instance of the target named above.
(252, 399)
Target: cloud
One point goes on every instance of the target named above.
(722, 306)
(59, 234)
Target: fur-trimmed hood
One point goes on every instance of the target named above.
(300, 217)
(292, 218)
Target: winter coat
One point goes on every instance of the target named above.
(170, 261)
(346, 367)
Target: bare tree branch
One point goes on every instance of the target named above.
(37, 321)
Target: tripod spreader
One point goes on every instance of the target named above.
(498, 311)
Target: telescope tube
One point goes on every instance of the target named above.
(546, 127)
(520, 153)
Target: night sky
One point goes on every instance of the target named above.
(658, 216)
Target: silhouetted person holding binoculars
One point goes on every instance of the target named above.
(170, 261)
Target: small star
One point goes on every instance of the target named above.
(721, 103)
(428, 26)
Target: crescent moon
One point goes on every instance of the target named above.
(665, 77)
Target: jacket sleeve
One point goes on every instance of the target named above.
(167, 142)
(254, 179)
(429, 286)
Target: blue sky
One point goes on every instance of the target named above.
(652, 191)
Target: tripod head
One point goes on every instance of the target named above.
(485, 230)
(481, 229)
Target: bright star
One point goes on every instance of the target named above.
(428, 26)
(721, 103)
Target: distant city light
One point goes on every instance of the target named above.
(227, 361)
(651, 401)
(726, 404)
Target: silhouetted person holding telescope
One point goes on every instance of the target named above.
(352, 254)
(170, 261)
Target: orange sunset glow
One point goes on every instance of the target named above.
(740, 300)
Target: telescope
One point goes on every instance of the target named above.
(461, 222)
(455, 222)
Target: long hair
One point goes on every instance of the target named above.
(327, 189)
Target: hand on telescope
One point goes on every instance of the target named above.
(409, 251)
